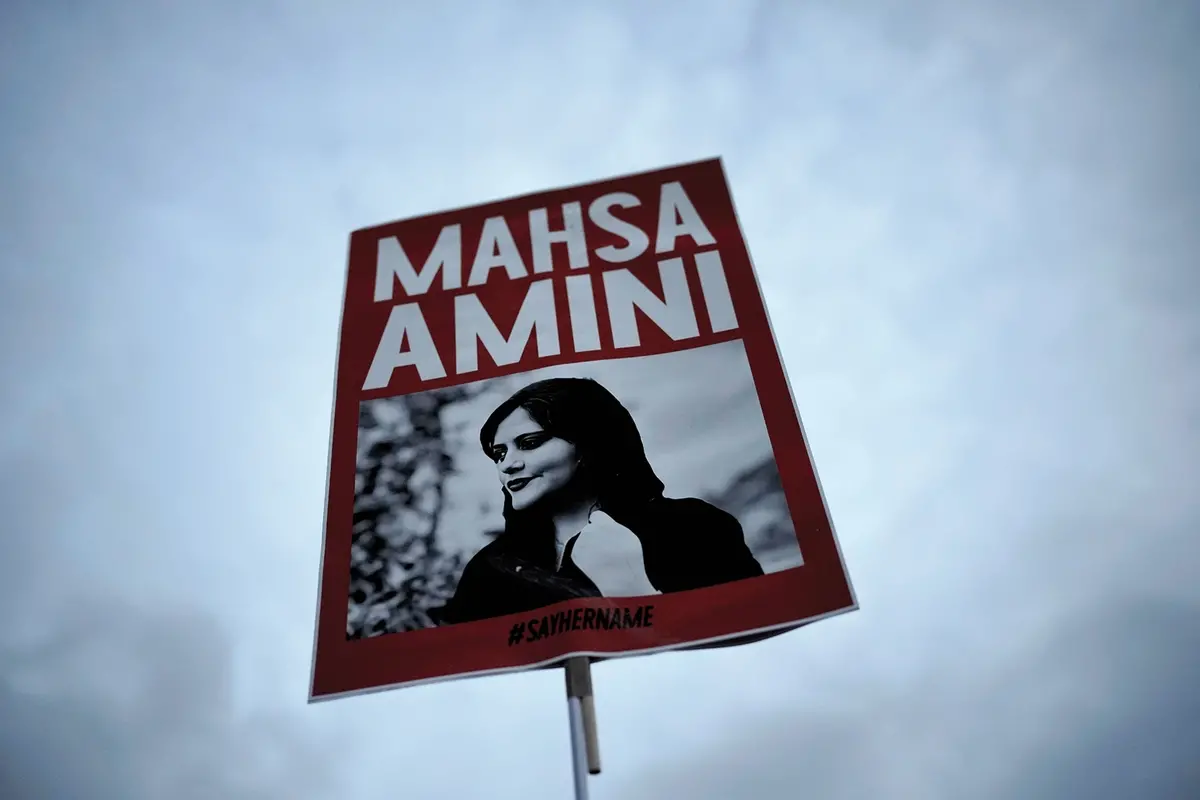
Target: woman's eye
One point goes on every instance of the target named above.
(531, 442)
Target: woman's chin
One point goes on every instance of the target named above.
(523, 503)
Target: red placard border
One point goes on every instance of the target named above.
(715, 616)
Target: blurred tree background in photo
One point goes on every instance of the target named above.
(398, 571)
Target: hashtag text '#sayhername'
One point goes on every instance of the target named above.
(581, 619)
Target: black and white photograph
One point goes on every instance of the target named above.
(614, 478)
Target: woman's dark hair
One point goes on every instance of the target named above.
(584, 413)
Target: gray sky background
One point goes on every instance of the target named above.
(975, 226)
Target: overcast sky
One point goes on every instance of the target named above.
(976, 229)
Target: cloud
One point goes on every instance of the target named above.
(104, 697)
(118, 702)
(1068, 715)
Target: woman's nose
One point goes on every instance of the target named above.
(511, 465)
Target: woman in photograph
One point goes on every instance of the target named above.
(584, 512)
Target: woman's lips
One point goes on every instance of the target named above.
(517, 484)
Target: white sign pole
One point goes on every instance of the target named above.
(581, 711)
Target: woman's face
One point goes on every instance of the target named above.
(532, 463)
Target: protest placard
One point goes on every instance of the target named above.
(562, 427)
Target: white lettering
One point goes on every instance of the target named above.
(405, 323)
(673, 314)
(636, 240)
(474, 326)
(678, 217)
(496, 249)
(392, 263)
(715, 289)
(581, 304)
(541, 238)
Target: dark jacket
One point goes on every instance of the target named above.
(686, 544)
